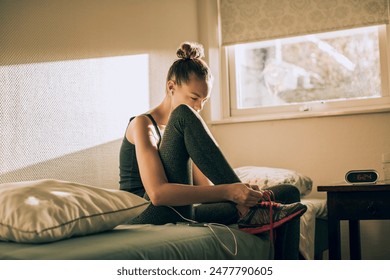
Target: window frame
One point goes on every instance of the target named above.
(303, 110)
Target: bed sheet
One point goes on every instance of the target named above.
(316, 208)
(142, 242)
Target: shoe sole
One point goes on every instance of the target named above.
(255, 229)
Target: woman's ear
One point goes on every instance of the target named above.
(171, 86)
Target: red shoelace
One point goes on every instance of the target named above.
(269, 197)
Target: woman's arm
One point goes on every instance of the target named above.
(161, 192)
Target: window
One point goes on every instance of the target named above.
(335, 72)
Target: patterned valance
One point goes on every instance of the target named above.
(257, 20)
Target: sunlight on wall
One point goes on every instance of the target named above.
(51, 109)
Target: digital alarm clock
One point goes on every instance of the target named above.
(361, 177)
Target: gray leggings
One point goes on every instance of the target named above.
(187, 138)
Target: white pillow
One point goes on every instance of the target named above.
(49, 210)
(269, 176)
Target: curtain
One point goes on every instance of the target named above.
(256, 20)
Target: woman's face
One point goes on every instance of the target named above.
(195, 93)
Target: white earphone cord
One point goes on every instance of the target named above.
(209, 225)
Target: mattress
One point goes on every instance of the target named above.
(147, 242)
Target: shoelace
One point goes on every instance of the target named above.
(269, 197)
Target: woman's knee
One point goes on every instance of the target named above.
(286, 193)
(184, 114)
(182, 110)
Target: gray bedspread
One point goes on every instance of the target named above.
(166, 242)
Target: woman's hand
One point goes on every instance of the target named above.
(243, 194)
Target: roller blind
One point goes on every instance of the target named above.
(256, 20)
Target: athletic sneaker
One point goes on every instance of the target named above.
(267, 215)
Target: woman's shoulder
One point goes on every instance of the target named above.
(139, 125)
(140, 120)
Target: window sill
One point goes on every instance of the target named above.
(302, 115)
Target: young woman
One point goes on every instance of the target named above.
(169, 156)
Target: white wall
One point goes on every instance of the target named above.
(51, 109)
(324, 148)
(44, 30)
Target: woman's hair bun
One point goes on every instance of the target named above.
(190, 50)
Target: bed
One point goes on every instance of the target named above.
(52, 219)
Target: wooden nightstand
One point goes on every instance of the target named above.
(354, 203)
